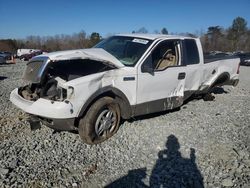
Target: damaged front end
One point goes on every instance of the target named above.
(51, 90)
(44, 83)
(47, 77)
(48, 96)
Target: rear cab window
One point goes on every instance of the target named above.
(191, 52)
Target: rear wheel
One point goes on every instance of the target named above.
(100, 122)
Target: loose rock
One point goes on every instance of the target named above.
(227, 182)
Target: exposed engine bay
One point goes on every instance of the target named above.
(58, 71)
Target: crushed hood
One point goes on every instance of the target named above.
(97, 54)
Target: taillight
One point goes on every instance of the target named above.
(238, 69)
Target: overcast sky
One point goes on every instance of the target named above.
(20, 18)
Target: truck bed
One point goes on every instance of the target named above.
(211, 58)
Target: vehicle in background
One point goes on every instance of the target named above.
(28, 56)
(244, 59)
(217, 55)
(21, 52)
(2, 60)
(6, 55)
(90, 90)
(246, 62)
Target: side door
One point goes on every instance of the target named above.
(193, 61)
(161, 79)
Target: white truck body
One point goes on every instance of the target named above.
(138, 89)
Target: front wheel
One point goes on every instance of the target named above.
(100, 122)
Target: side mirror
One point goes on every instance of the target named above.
(147, 66)
(147, 69)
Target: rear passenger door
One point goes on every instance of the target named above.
(161, 79)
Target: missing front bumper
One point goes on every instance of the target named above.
(56, 124)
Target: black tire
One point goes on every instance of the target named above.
(100, 122)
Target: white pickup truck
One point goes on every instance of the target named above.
(90, 90)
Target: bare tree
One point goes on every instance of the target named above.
(164, 31)
(141, 30)
(237, 33)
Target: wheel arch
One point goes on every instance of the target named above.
(221, 79)
(116, 94)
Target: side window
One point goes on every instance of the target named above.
(165, 55)
(192, 53)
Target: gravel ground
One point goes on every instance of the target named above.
(204, 144)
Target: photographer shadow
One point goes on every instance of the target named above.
(134, 178)
(171, 170)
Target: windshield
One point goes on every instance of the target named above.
(128, 50)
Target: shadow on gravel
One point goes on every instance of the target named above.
(3, 64)
(210, 97)
(133, 179)
(149, 116)
(170, 170)
(3, 77)
(219, 90)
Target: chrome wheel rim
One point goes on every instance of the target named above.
(105, 123)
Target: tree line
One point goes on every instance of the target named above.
(234, 38)
(52, 43)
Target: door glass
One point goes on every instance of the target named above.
(165, 55)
